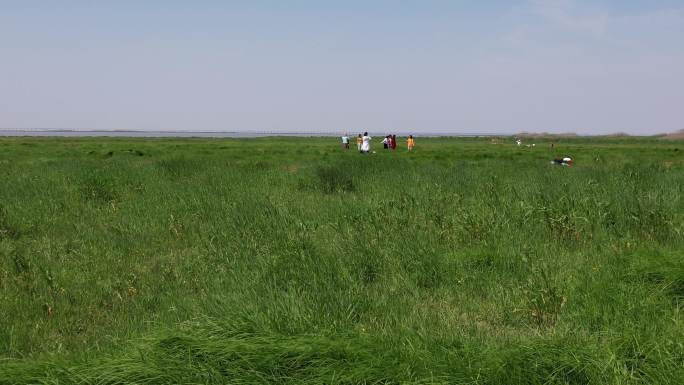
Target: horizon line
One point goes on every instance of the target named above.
(189, 133)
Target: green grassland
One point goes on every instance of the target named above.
(288, 260)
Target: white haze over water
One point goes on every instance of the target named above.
(215, 134)
(433, 66)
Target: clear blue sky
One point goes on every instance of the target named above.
(425, 65)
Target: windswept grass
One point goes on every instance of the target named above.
(265, 261)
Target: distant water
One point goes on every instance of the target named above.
(208, 134)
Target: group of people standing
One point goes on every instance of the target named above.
(390, 142)
(363, 142)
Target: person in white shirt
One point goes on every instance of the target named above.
(345, 141)
(385, 142)
(366, 145)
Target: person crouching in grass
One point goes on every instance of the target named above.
(410, 142)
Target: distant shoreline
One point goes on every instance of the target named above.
(74, 133)
(208, 134)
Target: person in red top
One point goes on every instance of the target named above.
(394, 142)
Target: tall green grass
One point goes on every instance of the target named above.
(270, 261)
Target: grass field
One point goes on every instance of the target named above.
(285, 260)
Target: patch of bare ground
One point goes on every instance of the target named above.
(291, 168)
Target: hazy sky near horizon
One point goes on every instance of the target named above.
(426, 65)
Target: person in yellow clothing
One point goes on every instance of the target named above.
(410, 142)
(359, 141)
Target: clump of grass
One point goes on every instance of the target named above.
(543, 299)
(180, 167)
(7, 230)
(662, 273)
(98, 186)
(332, 179)
(135, 152)
(22, 265)
(676, 288)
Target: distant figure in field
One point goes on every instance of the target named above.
(410, 142)
(345, 141)
(518, 142)
(359, 142)
(393, 142)
(366, 145)
(386, 142)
